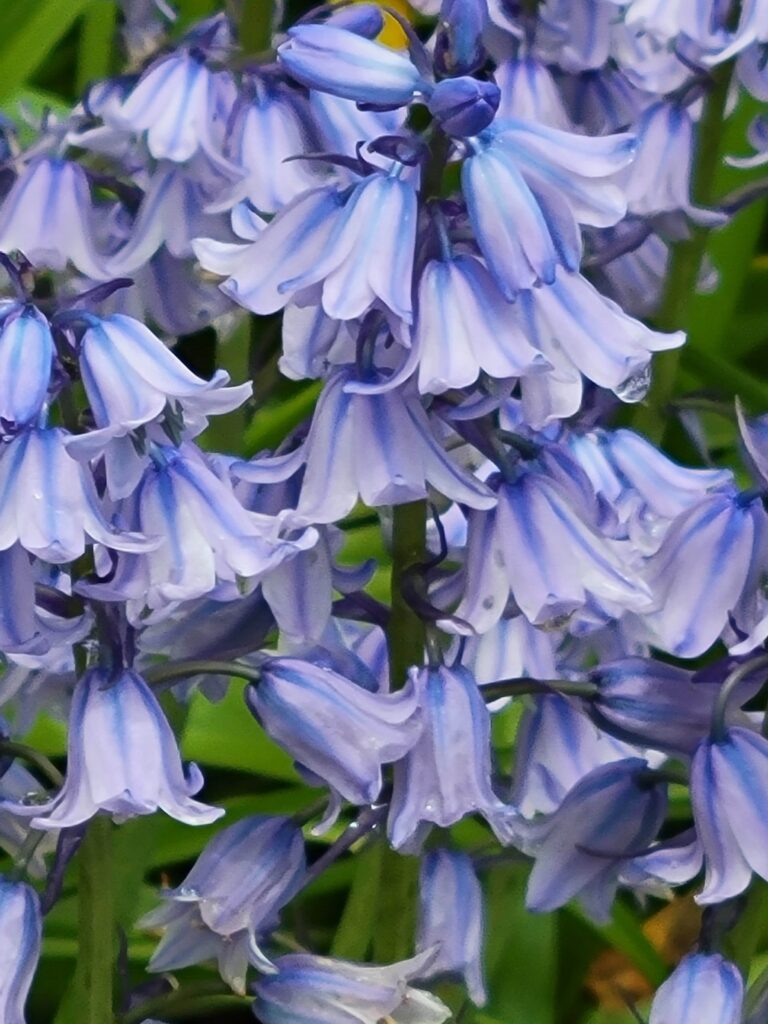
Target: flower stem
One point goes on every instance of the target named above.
(406, 633)
(519, 687)
(94, 972)
(173, 671)
(686, 261)
(33, 757)
(256, 25)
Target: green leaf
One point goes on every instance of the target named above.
(97, 38)
(28, 33)
(355, 929)
(226, 735)
(521, 953)
(275, 420)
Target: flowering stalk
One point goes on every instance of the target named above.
(93, 981)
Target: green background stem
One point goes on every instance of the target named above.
(686, 261)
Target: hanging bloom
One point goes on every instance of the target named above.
(459, 45)
(122, 758)
(328, 991)
(267, 131)
(48, 501)
(529, 93)
(232, 896)
(465, 325)
(528, 187)
(701, 570)
(26, 359)
(660, 176)
(610, 348)
(451, 918)
(340, 731)
(652, 704)
(704, 988)
(348, 65)
(203, 536)
(48, 216)
(729, 786)
(178, 101)
(130, 376)
(446, 774)
(379, 447)
(20, 927)
(579, 851)
(540, 546)
(357, 245)
(557, 746)
(175, 210)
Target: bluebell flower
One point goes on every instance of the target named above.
(122, 758)
(451, 917)
(529, 92)
(233, 894)
(20, 927)
(178, 101)
(652, 704)
(529, 187)
(601, 101)
(639, 472)
(48, 216)
(660, 177)
(348, 65)
(267, 130)
(378, 447)
(579, 851)
(358, 245)
(203, 537)
(701, 570)
(464, 106)
(48, 501)
(130, 376)
(329, 991)
(465, 325)
(576, 34)
(542, 546)
(605, 344)
(296, 239)
(26, 359)
(702, 21)
(446, 774)
(459, 46)
(704, 988)
(729, 786)
(17, 785)
(334, 727)
(174, 211)
(557, 746)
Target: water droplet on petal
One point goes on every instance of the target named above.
(634, 388)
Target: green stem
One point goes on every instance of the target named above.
(256, 25)
(395, 896)
(686, 261)
(192, 1000)
(96, 925)
(34, 757)
(518, 687)
(406, 633)
(175, 670)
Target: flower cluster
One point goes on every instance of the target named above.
(464, 238)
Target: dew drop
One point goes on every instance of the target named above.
(634, 388)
